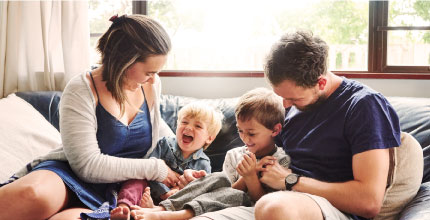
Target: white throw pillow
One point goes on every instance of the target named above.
(24, 135)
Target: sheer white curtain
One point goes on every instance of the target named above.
(43, 44)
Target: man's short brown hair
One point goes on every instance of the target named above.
(300, 57)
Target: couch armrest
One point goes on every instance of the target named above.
(419, 207)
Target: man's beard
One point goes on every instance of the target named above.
(311, 107)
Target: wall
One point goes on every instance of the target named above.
(227, 87)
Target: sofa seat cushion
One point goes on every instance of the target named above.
(24, 135)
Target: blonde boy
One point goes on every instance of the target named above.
(259, 116)
(197, 127)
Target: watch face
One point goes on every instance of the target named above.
(291, 179)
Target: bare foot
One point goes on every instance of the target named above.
(120, 213)
(167, 215)
(137, 210)
(146, 201)
(149, 216)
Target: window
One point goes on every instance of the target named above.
(400, 36)
(375, 39)
(99, 13)
(410, 46)
(237, 35)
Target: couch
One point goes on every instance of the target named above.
(414, 114)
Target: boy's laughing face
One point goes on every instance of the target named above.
(191, 135)
(258, 139)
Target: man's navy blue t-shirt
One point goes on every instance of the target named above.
(353, 119)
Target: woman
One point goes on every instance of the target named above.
(109, 120)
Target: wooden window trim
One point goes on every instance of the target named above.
(260, 74)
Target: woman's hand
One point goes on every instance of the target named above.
(172, 178)
(190, 175)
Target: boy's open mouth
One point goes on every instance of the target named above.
(186, 138)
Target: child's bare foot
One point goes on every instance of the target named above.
(137, 210)
(149, 216)
(120, 213)
(167, 215)
(146, 201)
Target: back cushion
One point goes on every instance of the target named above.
(414, 115)
(24, 133)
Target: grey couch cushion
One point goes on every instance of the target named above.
(46, 102)
(419, 208)
(414, 115)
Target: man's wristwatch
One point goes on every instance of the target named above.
(291, 180)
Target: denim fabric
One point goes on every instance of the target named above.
(92, 195)
(115, 138)
(168, 150)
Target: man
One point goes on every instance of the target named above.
(338, 133)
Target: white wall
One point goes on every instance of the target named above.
(227, 87)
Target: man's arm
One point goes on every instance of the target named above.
(362, 196)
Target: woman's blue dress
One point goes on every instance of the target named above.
(115, 139)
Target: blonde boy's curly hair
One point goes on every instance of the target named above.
(205, 113)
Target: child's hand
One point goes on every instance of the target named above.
(248, 165)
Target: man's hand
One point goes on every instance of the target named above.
(274, 176)
(267, 160)
(171, 179)
(247, 167)
(190, 175)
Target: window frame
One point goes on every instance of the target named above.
(377, 52)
